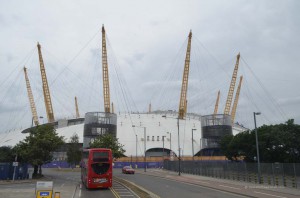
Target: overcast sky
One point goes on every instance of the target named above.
(146, 48)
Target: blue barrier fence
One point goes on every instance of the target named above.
(7, 171)
(64, 164)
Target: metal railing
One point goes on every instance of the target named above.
(275, 174)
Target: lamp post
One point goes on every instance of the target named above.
(145, 163)
(136, 141)
(179, 158)
(41, 117)
(257, 147)
(193, 142)
(163, 153)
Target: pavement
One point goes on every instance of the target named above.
(231, 186)
(10, 182)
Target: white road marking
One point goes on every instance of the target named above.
(269, 194)
(230, 187)
(80, 187)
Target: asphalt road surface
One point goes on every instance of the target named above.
(169, 188)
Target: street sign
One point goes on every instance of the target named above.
(15, 163)
(44, 194)
(44, 189)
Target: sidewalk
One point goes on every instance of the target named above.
(232, 186)
(18, 181)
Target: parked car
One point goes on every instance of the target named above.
(127, 170)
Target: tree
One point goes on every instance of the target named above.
(6, 154)
(109, 141)
(277, 143)
(37, 148)
(74, 153)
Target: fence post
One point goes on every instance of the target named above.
(283, 176)
(273, 174)
(295, 177)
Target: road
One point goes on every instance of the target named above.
(170, 189)
(156, 183)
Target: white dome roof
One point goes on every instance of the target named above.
(156, 127)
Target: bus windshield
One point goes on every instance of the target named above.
(100, 157)
(100, 168)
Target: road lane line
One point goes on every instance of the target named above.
(230, 187)
(207, 187)
(141, 188)
(114, 192)
(269, 194)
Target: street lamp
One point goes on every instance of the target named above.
(144, 146)
(257, 148)
(136, 141)
(163, 153)
(179, 158)
(41, 117)
(193, 142)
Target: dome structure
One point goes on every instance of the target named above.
(160, 129)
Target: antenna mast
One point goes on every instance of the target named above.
(236, 100)
(76, 107)
(217, 103)
(106, 92)
(232, 85)
(185, 78)
(31, 100)
(47, 98)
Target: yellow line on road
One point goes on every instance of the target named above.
(114, 192)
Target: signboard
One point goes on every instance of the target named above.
(44, 194)
(15, 163)
(44, 189)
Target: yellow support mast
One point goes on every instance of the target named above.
(106, 92)
(236, 100)
(185, 78)
(47, 98)
(217, 103)
(76, 107)
(31, 100)
(112, 108)
(232, 86)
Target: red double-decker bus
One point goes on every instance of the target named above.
(96, 168)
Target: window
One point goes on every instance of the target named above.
(153, 138)
(148, 138)
(157, 138)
